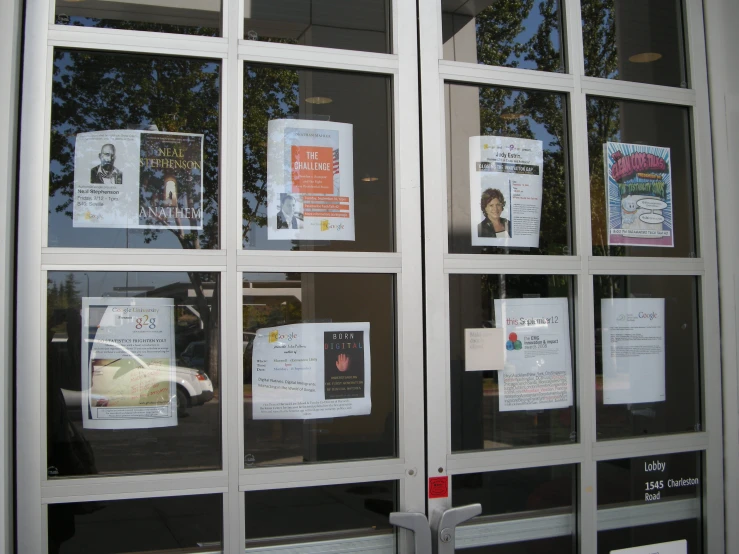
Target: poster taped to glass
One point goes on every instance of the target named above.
(638, 195)
(505, 191)
(128, 363)
(138, 180)
(310, 180)
(312, 371)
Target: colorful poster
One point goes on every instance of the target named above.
(128, 363)
(638, 195)
(505, 191)
(138, 180)
(633, 331)
(311, 371)
(537, 374)
(310, 180)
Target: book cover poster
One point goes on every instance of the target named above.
(537, 373)
(128, 363)
(505, 191)
(311, 371)
(310, 180)
(343, 364)
(638, 195)
(133, 179)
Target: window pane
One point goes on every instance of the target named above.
(527, 35)
(650, 500)
(325, 423)
(530, 402)
(318, 513)
(647, 355)
(357, 25)
(134, 151)
(635, 40)
(128, 391)
(339, 123)
(649, 159)
(157, 16)
(171, 524)
(483, 128)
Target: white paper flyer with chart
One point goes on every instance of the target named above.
(633, 350)
(310, 180)
(638, 195)
(505, 191)
(312, 371)
(538, 362)
(128, 363)
(138, 180)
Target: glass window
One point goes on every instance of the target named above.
(359, 25)
(122, 396)
(635, 40)
(326, 512)
(647, 355)
(512, 144)
(647, 208)
(337, 127)
(298, 329)
(530, 402)
(168, 524)
(158, 16)
(527, 35)
(650, 500)
(134, 151)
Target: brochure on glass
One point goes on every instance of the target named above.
(639, 195)
(128, 363)
(311, 370)
(505, 191)
(138, 180)
(310, 180)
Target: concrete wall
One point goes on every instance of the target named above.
(721, 21)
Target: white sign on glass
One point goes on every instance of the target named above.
(673, 547)
(483, 349)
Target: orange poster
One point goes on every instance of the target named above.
(312, 169)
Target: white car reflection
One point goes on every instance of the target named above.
(112, 386)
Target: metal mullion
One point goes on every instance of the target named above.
(76, 490)
(513, 264)
(634, 266)
(45, 146)
(471, 73)
(321, 474)
(713, 467)
(313, 56)
(138, 42)
(147, 260)
(627, 90)
(346, 262)
(514, 458)
(645, 446)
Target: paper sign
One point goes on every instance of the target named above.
(128, 363)
(538, 363)
(505, 191)
(483, 349)
(138, 180)
(633, 350)
(638, 195)
(311, 371)
(310, 180)
(438, 487)
(674, 547)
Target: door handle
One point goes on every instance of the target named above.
(444, 524)
(417, 523)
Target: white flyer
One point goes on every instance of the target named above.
(672, 547)
(138, 180)
(312, 371)
(633, 350)
(484, 349)
(310, 180)
(538, 362)
(505, 191)
(128, 363)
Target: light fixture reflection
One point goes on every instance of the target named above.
(319, 100)
(645, 57)
(370, 179)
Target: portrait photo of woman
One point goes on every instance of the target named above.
(492, 204)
